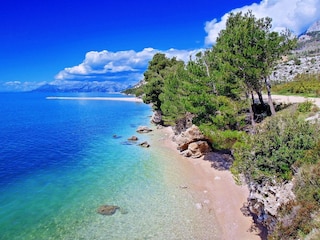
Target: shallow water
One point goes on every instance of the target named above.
(60, 160)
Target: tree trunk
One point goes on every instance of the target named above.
(260, 97)
(208, 74)
(251, 111)
(268, 86)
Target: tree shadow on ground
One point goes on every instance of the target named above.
(220, 160)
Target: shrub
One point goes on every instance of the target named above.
(305, 106)
(222, 140)
(302, 84)
(278, 143)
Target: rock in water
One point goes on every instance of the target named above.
(107, 209)
(133, 138)
(144, 144)
(143, 129)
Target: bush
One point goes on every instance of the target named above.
(302, 84)
(305, 106)
(298, 218)
(278, 143)
(222, 140)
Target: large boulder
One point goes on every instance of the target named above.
(198, 149)
(191, 135)
(192, 143)
(107, 209)
(143, 129)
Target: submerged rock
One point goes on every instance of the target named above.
(143, 129)
(107, 209)
(144, 144)
(133, 138)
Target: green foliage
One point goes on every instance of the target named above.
(222, 140)
(246, 52)
(173, 95)
(155, 76)
(305, 107)
(218, 111)
(278, 144)
(302, 84)
(136, 91)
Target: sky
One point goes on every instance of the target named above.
(55, 41)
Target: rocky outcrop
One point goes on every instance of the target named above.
(143, 129)
(107, 209)
(197, 149)
(288, 70)
(192, 143)
(156, 117)
(183, 124)
(265, 199)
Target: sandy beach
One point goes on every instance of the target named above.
(126, 99)
(216, 191)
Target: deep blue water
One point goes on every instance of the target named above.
(39, 134)
(62, 159)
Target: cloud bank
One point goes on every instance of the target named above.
(295, 15)
(122, 66)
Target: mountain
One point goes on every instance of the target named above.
(315, 27)
(82, 86)
(308, 42)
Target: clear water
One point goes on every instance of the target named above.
(62, 159)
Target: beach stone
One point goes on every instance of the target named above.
(107, 209)
(144, 144)
(198, 148)
(143, 129)
(192, 143)
(133, 138)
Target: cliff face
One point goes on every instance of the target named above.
(265, 199)
(287, 70)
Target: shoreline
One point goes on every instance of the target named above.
(222, 195)
(125, 99)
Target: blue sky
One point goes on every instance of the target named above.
(52, 41)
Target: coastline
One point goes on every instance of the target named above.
(215, 191)
(125, 99)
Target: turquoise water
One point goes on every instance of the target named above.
(62, 159)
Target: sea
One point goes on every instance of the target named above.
(60, 160)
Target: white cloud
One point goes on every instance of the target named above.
(296, 15)
(117, 66)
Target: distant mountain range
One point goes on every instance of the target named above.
(82, 86)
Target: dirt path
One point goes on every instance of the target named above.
(293, 99)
